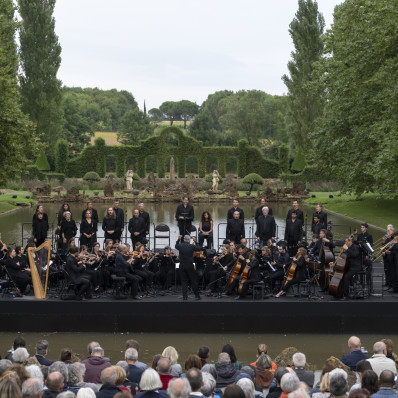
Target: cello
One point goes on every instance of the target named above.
(340, 267)
(245, 274)
(236, 270)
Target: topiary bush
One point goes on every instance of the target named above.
(253, 179)
(61, 156)
(299, 162)
(91, 176)
(42, 162)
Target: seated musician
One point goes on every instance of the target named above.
(17, 271)
(354, 263)
(315, 247)
(243, 255)
(317, 225)
(140, 266)
(265, 259)
(166, 273)
(299, 273)
(75, 270)
(124, 269)
(254, 274)
(101, 264)
(281, 264)
(221, 267)
(325, 241)
(89, 261)
(206, 230)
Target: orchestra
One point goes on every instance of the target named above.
(231, 269)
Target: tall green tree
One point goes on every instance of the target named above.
(202, 129)
(304, 104)
(186, 110)
(17, 134)
(356, 139)
(135, 126)
(170, 112)
(155, 114)
(40, 55)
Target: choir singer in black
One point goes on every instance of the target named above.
(185, 215)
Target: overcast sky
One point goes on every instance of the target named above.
(168, 50)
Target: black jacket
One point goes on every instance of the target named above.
(300, 215)
(186, 251)
(94, 215)
(323, 218)
(145, 216)
(231, 212)
(254, 269)
(266, 227)
(39, 228)
(68, 228)
(74, 269)
(235, 230)
(259, 212)
(354, 257)
(111, 224)
(226, 374)
(137, 225)
(186, 212)
(293, 231)
(107, 391)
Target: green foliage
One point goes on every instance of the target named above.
(202, 129)
(101, 109)
(209, 178)
(33, 173)
(304, 104)
(283, 158)
(100, 164)
(135, 126)
(136, 177)
(299, 161)
(42, 162)
(19, 145)
(186, 110)
(155, 115)
(356, 139)
(40, 56)
(91, 176)
(169, 111)
(253, 179)
(61, 156)
(56, 176)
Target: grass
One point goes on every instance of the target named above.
(109, 137)
(7, 202)
(372, 208)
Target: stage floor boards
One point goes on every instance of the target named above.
(169, 314)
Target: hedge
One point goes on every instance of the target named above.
(58, 176)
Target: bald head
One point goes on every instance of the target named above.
(379, 348)
(387, 378)
(179, 388)
(354, 343)
(55, 381)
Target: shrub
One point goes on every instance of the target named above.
(283, 158)
(56, 176)
(136, 177)
(299, 162)
(33, 173)
(253, 179)
(42, 162)
(91, 176)
(61, 156)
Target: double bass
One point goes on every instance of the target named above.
(340, 267)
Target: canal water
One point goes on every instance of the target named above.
(318, 348)
(15, 226)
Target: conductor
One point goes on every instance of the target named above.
(187, 270)
(185, 215)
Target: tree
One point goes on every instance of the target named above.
(202, 129)
(186, 110)
(356, 139)
(135, 126)
(40, 60)
(299, 161)
(169, 111)
(17, 134)
(155, 114)
(78, 128)
(42, 162)
(253, 179)
(212, 105)
(304, 104)
(61, 156)
(283, 158)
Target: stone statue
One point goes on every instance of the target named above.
(215, 180)
(172, 171)
(129, 180)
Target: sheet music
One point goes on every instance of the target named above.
(270, 265)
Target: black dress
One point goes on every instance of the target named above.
(88, 228)
(68, 230)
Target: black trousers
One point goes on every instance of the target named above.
(188, 275)
(347, 280)
(246, 285)
(83, 286)
(216, 278)
(146, 275)
(165, 277)
(209, 239)
(278, 275)
(134, 280)
(294, 281)
(184, 227)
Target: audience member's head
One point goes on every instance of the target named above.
(91, 345)
(289, 382)
(19, 341)
(150, 380)
(42, 347)
(233, 391)
(379, 348)
(230, 350)
(133, 344)
(85, 392)
(21, 372)
(9, 388)
(299, 360)
(108, 376)
(55, 381)
(4, 365)
(354, 343)
(179, 388)
(60, 367)
(193, 361)
(164, 366)
(66, 355)
(35, 372)
(75, 373)
(223, 358)
(299, 393)
(120, 375)
(210, 368)
(389, 346)
(279, 372)
(359, 393)
(209, 384)
(171, 353)
(247, 386)
(97, 352)
(131, 355)
(386, 378)
(264, 362)
(155, 360)
(338, 382)
(20, 355)
(363, 365)
(194, 376)
(203, 352)
(66, 394)
(250, 370)
(32, 388)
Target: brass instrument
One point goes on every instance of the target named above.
(386, 247)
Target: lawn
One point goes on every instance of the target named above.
(372, 208)
(109, 137)
(7, 202)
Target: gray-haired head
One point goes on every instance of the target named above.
(299, 393)
(91, 345)
(337, 372)
(209, 384)
(108, 376)
(164, 365)
(85, 393)
(247, 386)
(131, 354)
(124, 365)
(223, 358)
(4, 365)
(264, 362)
(55, 381)
(179, 388)
(379, 348)
(66, 394)
(249, 370)
(97, 352)
(76, 372)
(60, 367)
(35, 373)
(187, 238)
(279, 372)
(32, 388)
(210, 368)
(150, 380)
(299, 360)
(42, 347)
(337, 383)
(20, 355)
(289, 382)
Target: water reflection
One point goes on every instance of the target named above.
(11, 224)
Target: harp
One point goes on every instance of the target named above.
(39, 262)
